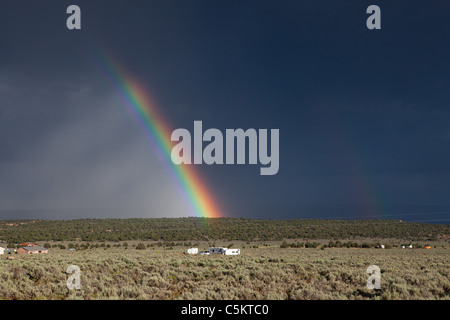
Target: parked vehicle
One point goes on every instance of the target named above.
(217, 250)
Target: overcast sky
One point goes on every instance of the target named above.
(364, 115)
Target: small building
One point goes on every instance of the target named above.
(192, 251)
(2, 250)
(427, 247)
(32, 250)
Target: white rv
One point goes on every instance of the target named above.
(232, 252)
(192, 251)
(2, 250)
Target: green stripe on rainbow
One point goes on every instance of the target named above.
(145, 109)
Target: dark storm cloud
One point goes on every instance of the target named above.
(71, 146)
(363, 115)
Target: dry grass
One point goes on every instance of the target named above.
(258, 273)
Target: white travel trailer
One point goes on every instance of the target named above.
(2, 250)
(192, 251)
(232, 252)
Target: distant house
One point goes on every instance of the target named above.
(32, 250)
(2, 250)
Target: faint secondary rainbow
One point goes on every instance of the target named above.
(137, 99)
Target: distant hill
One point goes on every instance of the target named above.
(184, 229)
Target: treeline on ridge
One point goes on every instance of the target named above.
(198, 229)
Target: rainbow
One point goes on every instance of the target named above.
(145, 110)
